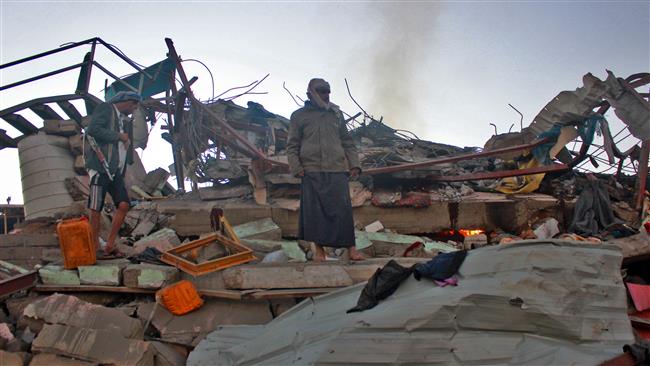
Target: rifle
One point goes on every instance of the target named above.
(100, 155)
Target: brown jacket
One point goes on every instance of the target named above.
(319, 142)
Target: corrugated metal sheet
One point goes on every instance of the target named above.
(542, 302)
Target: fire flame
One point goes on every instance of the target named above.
(464, 232)
(470, 232)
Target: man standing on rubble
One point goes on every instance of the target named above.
(323, 155)
(112, 130)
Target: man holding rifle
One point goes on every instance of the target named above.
(110, 134)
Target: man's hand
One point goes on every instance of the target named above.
(354, 172)
(124, 137)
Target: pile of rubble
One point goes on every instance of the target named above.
(544, 242)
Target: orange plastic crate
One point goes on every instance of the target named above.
(76, 243)
(180, 298)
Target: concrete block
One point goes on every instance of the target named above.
(70, 310)
(149, 276)
(260, 229)
(57, 275)
(100, 346)
(49, 359)
(103, 273)
(162, 240)
(286, 276)
(374, 227)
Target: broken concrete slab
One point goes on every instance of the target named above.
(103, 273)
(56, 275)
(189, 329)
(260, 229)
(385, 244)
(149, 276)
(50, 359)
(166, 355)
(13, 358)
(296, 275)
(294, 252)
(163, 240)
(101, 346)
(69, 310)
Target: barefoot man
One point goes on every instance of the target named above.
(323, 155)
(111, 128)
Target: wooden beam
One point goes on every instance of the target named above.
(6, 141)
(45, 111)
(20, 123)
(70, 110)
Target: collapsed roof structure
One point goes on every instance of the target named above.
(414, 200)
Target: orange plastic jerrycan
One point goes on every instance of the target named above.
(76, 243)
(180, 298)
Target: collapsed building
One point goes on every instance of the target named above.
(515, 204)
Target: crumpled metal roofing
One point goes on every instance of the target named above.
(537, 302)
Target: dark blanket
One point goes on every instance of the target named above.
(326, 210)
(382, 284)
(593, 210)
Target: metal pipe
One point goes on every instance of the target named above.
(117, 78)
(120, 55)
(91, 61)
(43, 54)
(521, 117)
(643, 174)
(453, 159)
(42, 76)
(501, 174)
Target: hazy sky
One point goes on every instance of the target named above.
(443, 70)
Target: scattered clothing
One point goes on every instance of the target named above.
(381, 285)
(451, 281)
(441, 267)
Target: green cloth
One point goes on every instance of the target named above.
(320, 142)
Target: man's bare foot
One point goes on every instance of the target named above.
(355, 255)
(319, 253)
